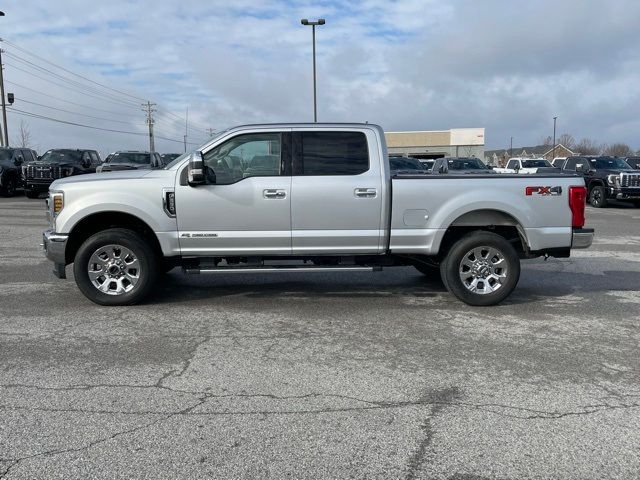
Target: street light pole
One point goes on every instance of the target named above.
(5, 139)
(320, 21)
(553, 154)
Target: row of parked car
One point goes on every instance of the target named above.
(24, 168)
(607, 178)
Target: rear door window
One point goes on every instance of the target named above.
(330, 153)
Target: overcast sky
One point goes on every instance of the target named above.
(409, 65)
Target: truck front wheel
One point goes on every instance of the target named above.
(598, 197)
(115, 267)
(481, 269)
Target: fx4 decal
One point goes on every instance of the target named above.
(543, 190)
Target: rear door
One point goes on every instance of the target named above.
(336, 192)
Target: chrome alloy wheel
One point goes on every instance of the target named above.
(483, 270)
(114, 269)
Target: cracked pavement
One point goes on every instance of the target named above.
(323, 375)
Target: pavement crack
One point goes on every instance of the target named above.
(178, 372)
(444, 397)
(17, 461)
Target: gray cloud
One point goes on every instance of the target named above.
(506, 66)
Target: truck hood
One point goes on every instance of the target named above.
(98, 177)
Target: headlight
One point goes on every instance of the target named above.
(57, 202)
(613, 180)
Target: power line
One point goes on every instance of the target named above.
(70, 88)
(93, 127)
(69, 71)
(81, 88)
(69, 111)
(61, 99)
(65, 79)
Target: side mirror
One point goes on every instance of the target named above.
(444, 168)
(581, 167)
(517, 167)
(18, 161)
(195, 169)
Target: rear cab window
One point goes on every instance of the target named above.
(330, 153)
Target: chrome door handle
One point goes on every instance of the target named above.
(274, 193)
(365, 192)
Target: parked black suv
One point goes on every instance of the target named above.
(131, 160)
(11, 161)
(57, 163)
(607, 178)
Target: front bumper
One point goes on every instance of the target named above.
(38, 185)
(625, 193)
(582, 237)
(55, 245)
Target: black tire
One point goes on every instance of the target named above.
(636, 203)
(32, 193)
(450, 268)
(142, 251)
(9, 187)
(598, 197)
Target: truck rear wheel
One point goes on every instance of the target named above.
(115, 267)
(481, 269)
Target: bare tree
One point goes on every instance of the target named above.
(618, 150)
(567, 140)
(586, 146)
(546, 140)
(23, 139)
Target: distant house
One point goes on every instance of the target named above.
(500, 157)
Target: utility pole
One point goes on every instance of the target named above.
(186, 129)
(211, 130)
(320, 21)
(511, 148)
(148, 108)
(5, 141)
(553, 155)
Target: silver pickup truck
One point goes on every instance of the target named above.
(307, 198)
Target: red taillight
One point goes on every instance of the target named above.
(577, 202)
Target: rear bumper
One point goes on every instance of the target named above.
(55, 245)
(582, 237)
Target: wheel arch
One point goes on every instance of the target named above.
(100, 221)
(485, 219)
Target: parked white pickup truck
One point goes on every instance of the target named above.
(306, 198)
(528, 165)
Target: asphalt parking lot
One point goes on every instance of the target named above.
(380, 375)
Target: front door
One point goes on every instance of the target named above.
(245, 206)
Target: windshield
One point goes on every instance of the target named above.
(130, 157)
(535, 163)
(399, 163)
(466, 164)
(184, 155)
(610, 163)
(62, 156)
